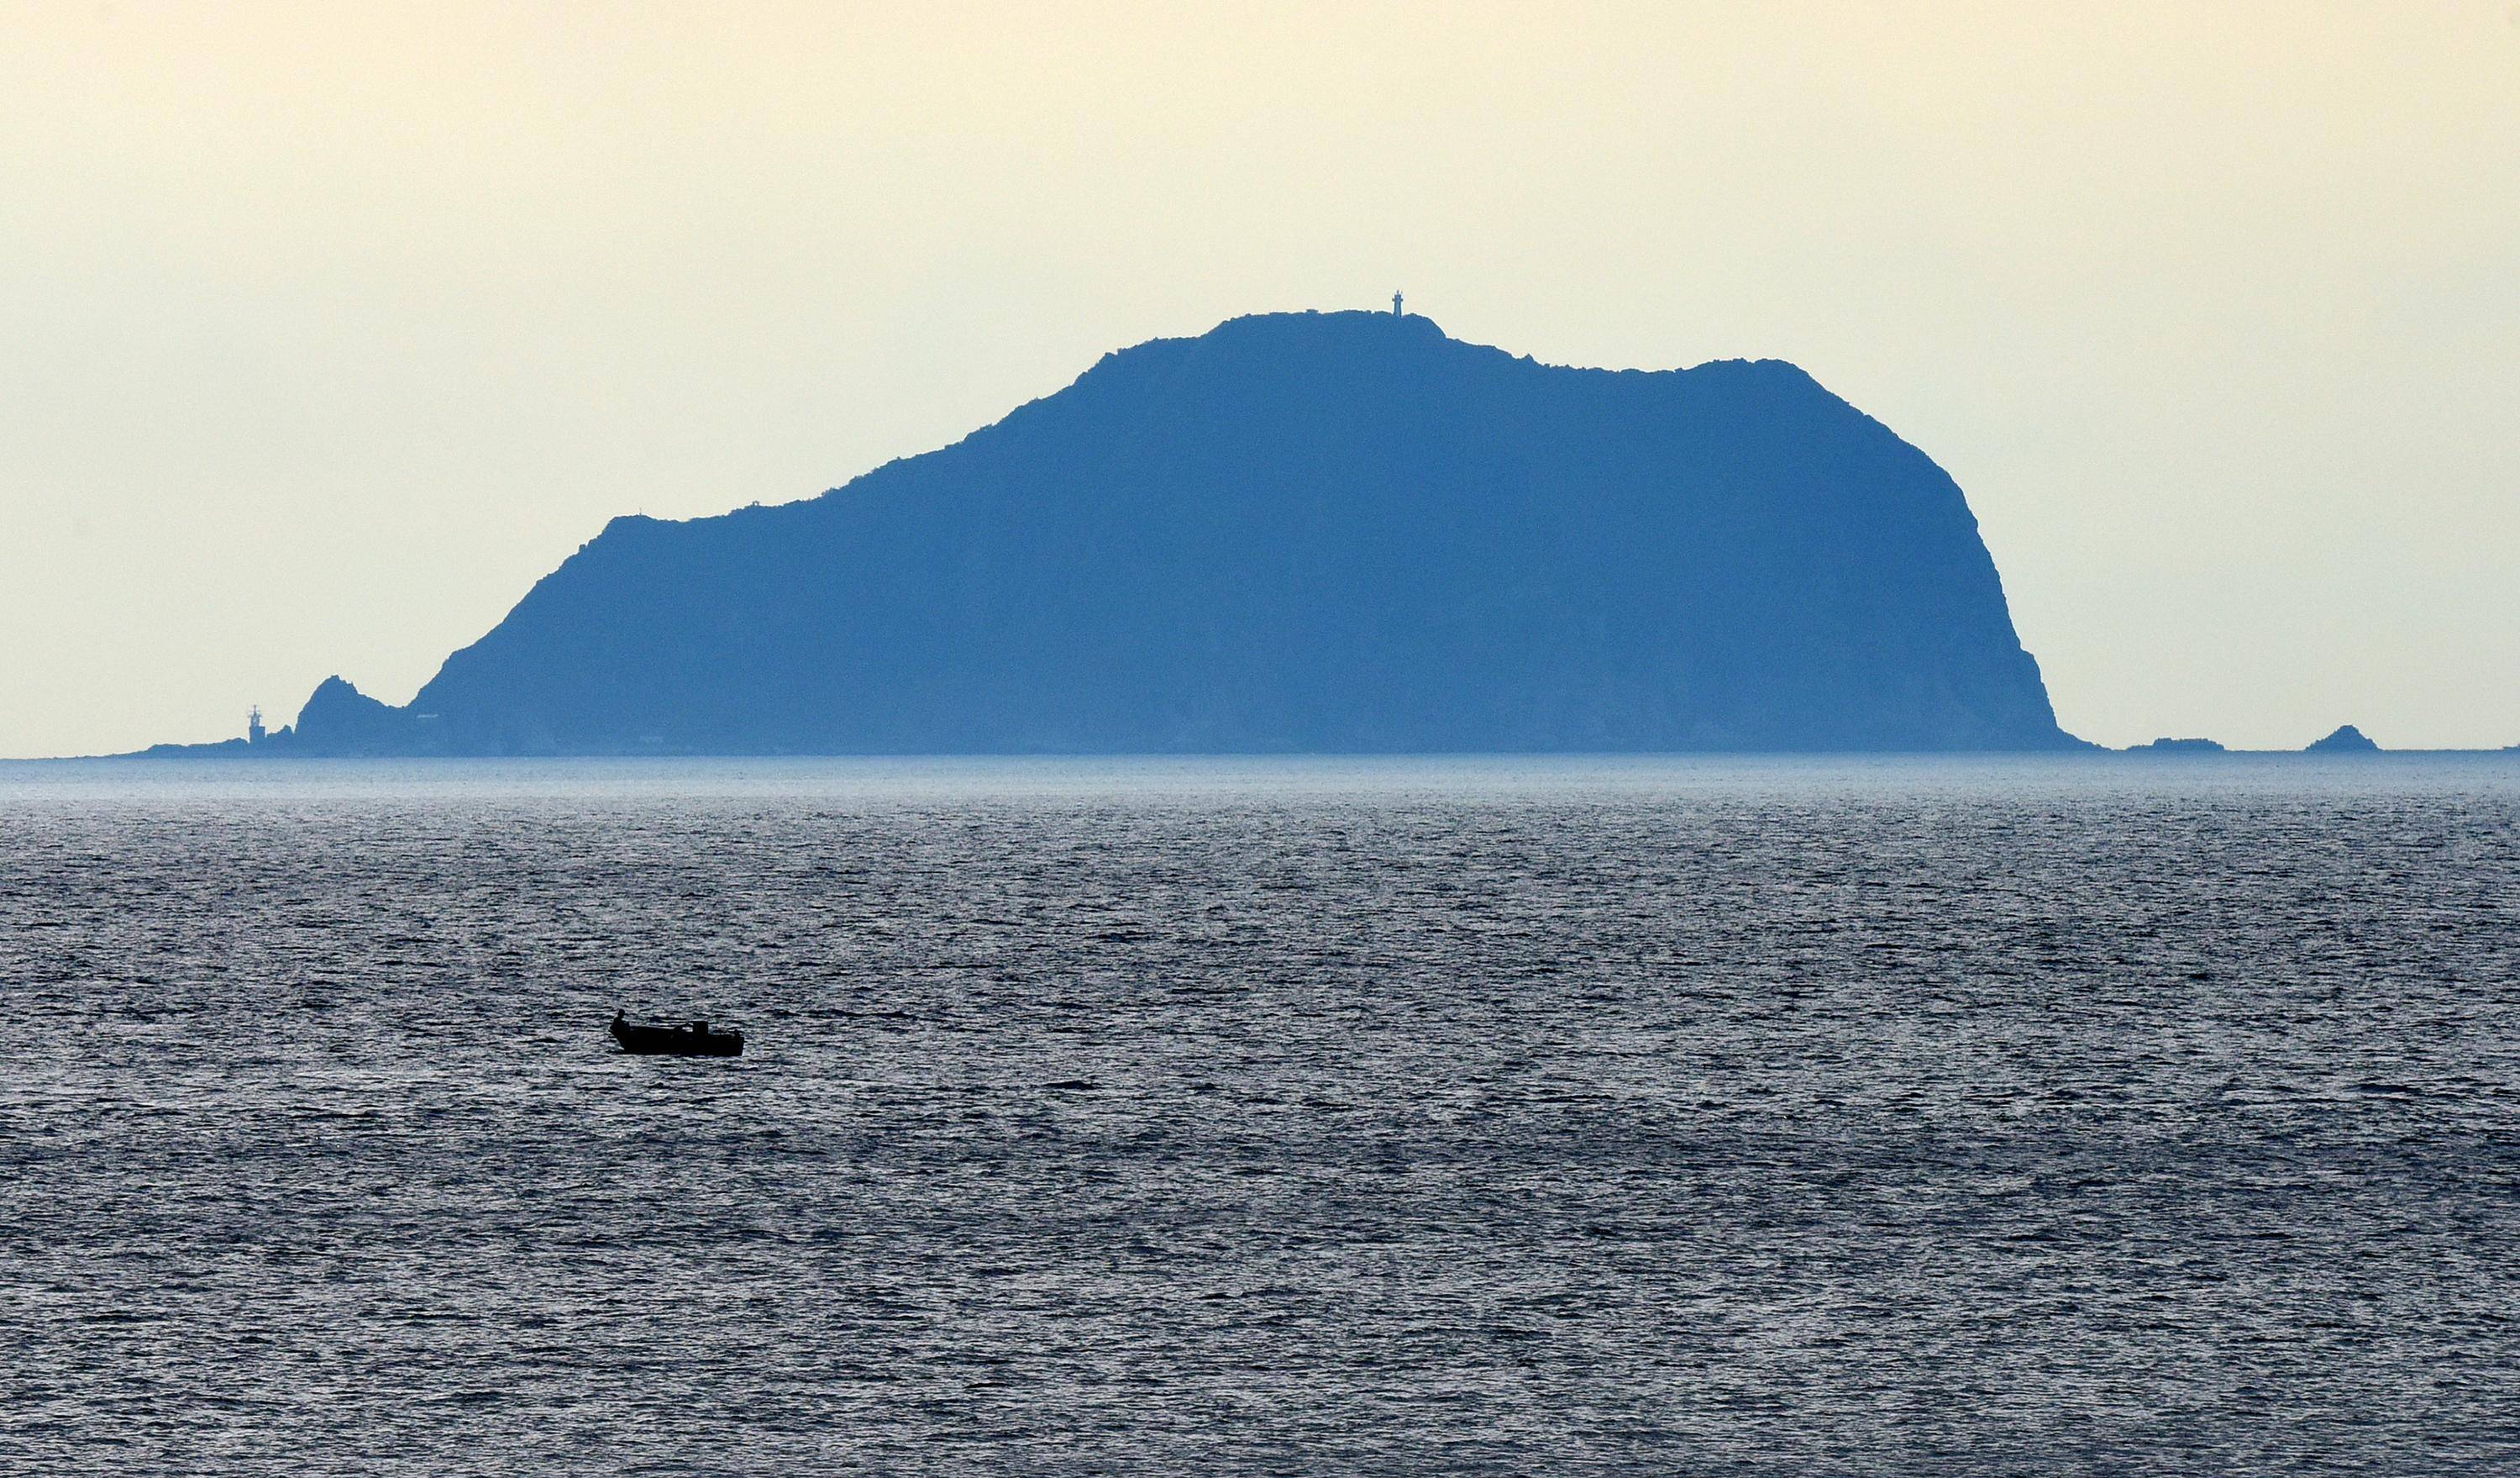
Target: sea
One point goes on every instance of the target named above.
(1688, 1116)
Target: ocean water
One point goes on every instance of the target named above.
(1785, 1116)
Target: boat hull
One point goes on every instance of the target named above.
(676, 1041)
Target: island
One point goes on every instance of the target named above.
(2346, 740)
(1297, 533)
(2178, 747)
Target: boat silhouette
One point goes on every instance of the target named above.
(689, 1039)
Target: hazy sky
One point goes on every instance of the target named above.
(329, 329)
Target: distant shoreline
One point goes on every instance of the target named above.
(236, 752)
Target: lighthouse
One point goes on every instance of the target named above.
(1395, 305)
(253, 724)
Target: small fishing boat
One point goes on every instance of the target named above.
(689, 1040)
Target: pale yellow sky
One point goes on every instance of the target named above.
(331, 328)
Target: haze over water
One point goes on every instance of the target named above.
(1707, 1116)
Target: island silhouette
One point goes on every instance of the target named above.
(1323, 532)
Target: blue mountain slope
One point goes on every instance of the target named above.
(1329, 532)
